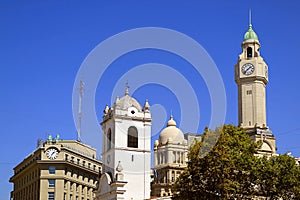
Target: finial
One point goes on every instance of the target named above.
(171, 116)
(49, 140)
(57, 139)
(146, 106)
(119, 167)
(119, 175)
(127, 89)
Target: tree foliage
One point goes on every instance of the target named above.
(223, 165)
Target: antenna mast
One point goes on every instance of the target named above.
(79, 112)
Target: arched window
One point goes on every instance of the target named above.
(249, 52)
(108, 139)
(132, 137)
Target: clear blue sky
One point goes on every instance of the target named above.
(43, 44)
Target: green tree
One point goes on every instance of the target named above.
(223, 165)
(220, 166)
(278, 177)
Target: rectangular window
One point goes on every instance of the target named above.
(51, 170)
(173, 176)
(50, 195)
(249, 92)
(51, 182)
(174, 157)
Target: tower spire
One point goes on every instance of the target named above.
(250, 34)
(250, 18)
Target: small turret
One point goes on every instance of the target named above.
(146, 106)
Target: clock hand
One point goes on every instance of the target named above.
(248, 68)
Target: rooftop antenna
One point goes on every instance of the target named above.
(79, 111)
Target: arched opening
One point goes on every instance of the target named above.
(132, 137)
(109, 139)
(249, 52)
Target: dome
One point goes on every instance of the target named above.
(171, 133)
(127, 101)
(250, 34)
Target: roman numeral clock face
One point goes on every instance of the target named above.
(52, 153)
(248, 69)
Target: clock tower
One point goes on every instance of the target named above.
(251, 76)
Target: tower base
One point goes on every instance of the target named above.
(267, 139)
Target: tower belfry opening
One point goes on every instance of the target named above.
(249, 52)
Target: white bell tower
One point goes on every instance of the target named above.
(126, 141)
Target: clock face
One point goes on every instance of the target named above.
(248, 69)
(52, 153)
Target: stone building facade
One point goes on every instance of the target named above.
(170, 159)
(57, 169)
